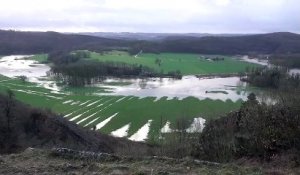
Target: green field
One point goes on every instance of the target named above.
(41, 58)
(86, 109)
(187, 64)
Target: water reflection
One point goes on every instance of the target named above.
(16, 65)
(230, 88)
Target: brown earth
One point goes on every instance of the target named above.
(38, 161)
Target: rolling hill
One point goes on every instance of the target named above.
(16, 42)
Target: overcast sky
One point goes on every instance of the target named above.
(176, 16)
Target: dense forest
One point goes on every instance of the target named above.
(249, 44)
(14, 42)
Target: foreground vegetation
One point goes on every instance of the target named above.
(256, 130)
(36, 161)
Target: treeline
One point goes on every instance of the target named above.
(62, 57)
(274, 77)
(87, 72)
(272, 43)
(76, 69)
(15, 42)
(286, 60)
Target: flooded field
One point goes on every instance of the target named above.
(21, 65)
(230, 88)
(18, 65)
(132, 108)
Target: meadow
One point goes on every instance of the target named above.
(41, 58)
(187, 64)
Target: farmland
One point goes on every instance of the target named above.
(187, 64)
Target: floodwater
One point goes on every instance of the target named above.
(255, 60)
(18, 65)
(265, 62)
(294, 71)
(229, 88)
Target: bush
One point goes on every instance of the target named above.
(256, 130)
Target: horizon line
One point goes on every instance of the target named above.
(208, 33)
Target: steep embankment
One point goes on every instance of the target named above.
(29, 127)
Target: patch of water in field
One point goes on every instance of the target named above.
(214, 88)
(17, 65)
(263, 62)
(294, 71)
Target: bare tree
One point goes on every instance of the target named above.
(23, 78)
(9, 103)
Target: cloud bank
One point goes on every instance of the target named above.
(172, 16)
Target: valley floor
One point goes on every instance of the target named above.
(35, 161)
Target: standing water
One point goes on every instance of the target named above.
(18, 65)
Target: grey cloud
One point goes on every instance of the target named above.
(216, 16)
